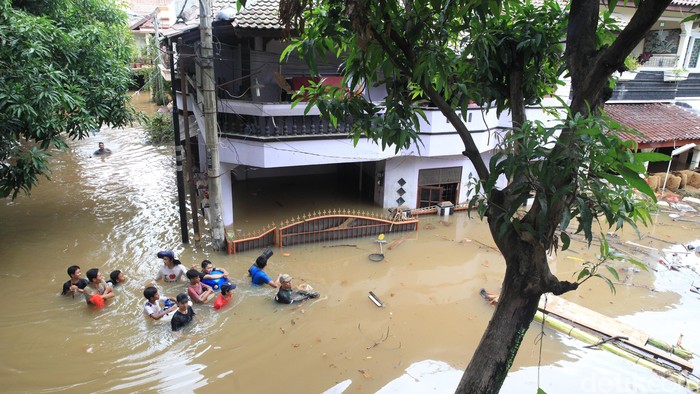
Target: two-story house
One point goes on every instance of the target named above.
(261, 135)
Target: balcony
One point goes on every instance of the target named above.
(286, 126)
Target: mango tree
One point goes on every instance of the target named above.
(503, 55)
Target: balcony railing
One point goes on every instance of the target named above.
(662, 61)
(279, 126)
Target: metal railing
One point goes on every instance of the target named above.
(321, 227)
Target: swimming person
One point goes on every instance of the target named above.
(116, 277)
(102, 150)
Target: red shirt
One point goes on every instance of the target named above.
(221, 301)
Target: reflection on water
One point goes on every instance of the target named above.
(118, 211)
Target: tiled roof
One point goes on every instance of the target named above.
(658, 122)
(261, 14)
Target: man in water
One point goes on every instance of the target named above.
(286, 295)
(102, 150)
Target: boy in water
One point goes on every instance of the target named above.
(208, 267)
(75, 284)
(116, 277)
(97, 286)
(184, 314)
(225, 296)
(152, 307)
(198, 291)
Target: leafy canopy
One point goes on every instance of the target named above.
(64, 72)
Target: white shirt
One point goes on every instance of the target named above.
(171, 274)
(150, 308)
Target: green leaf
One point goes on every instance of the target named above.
(613, 272)
(584, 273)
(565, 240)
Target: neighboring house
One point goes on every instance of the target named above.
(262, 136)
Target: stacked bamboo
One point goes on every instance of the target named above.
(611, 347)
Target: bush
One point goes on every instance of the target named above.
(159, 128)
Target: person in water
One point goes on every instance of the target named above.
(184, 314)
(116, 277)
(286, 295)
(198, 291)
(225, 296)
(258, 276)
(102, 150)
(208, 268)
(172, 269)
(152, 306)
(97, 287)
(75, 284)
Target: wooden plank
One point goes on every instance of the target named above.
(559, 307)
(592, 319)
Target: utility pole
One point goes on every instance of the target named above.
(210, 125)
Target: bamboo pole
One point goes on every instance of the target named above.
(612, 348)
(678, 351)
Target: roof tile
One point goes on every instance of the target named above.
(261, 14)
(658, 122)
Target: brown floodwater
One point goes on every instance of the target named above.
(116, 212)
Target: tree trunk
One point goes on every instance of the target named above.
(514, 312)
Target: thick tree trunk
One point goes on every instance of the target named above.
(510, 321)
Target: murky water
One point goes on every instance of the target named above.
(118, 211)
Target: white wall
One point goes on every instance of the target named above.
(407, 167)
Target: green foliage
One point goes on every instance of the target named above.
(63, 73)
(631, 63)
(607, 254)
(462, 68)
(159, 128)
(153, 79)
(607, 172)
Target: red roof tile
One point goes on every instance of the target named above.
(658, 122)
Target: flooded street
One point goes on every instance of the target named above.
(117, 212)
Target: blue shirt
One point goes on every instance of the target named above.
(258, 276)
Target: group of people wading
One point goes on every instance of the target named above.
(201, 288)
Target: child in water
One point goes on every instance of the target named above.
(152, 307)
(198, 291)
(116, 277)
(225, 296)
(184, 314)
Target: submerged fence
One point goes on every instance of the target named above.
(321, 227)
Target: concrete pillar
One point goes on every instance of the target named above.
(227, 193)
(695, 161)
(646, 165)
(686, 30)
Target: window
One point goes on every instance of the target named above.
(438, 184)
